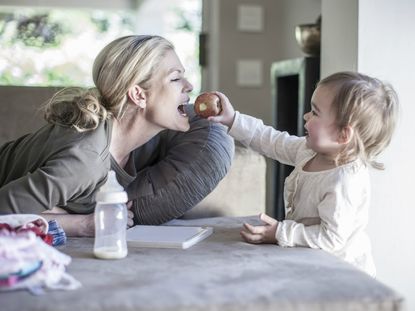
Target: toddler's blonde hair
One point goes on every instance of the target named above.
(370, 107)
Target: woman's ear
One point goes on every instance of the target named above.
(346, 135)
(137, 96)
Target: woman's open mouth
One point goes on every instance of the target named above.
(182, 110)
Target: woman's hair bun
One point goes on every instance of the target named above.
(76, 107)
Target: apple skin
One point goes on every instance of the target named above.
(207, 105)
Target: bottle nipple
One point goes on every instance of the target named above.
(111, 191)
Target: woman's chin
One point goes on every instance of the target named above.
(183, 125)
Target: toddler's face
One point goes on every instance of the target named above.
(322, 132)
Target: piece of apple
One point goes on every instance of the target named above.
(207, 105)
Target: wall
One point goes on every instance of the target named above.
(339, 36)
(276, 42)
(386, 48)
(19, 110)
(383, 38)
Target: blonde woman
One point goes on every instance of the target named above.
(327, 195)
(140, 91)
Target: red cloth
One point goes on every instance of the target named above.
(34, 226)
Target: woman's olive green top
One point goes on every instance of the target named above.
(58, 166)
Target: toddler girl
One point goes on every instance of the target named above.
(327, 196)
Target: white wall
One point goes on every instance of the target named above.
(274, 43)
(339, 48)
(385, 48)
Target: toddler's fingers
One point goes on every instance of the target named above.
(223, 97)
(265, 218)
(225, 103)
(220, 95)
(254, 229)
(215, 119)
(129, 204)
(251, 238)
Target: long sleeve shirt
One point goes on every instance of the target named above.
(54, 166)
(326, 209)
(58, 166)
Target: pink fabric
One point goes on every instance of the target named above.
(22, 247)
(26, 222)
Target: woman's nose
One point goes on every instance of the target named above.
(188, 87)
(306, 116)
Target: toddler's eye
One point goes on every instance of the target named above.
(175, 80)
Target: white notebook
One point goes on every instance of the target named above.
(166, 236)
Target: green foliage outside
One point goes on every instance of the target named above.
(56, 47)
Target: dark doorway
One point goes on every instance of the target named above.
(293, 83)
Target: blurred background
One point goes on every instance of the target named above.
(48, 45)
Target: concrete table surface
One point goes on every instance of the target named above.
(219, 273)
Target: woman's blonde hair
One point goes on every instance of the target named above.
(124, 62)
(370, 107)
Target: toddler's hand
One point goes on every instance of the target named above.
(227, 114)
(261, 234)
(130, 214)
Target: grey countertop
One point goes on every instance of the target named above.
(219, 273)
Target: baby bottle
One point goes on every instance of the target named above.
(111, 220)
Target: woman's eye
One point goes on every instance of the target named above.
(313, 113)
(175, 80)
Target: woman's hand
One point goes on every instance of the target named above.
(261, 234)
(227, 114)
(73, 225)
(80, 225)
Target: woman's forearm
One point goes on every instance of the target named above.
(73, 225)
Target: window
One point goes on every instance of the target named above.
(57, 46)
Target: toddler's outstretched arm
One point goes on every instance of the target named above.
(261, 234)
(227, 113)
